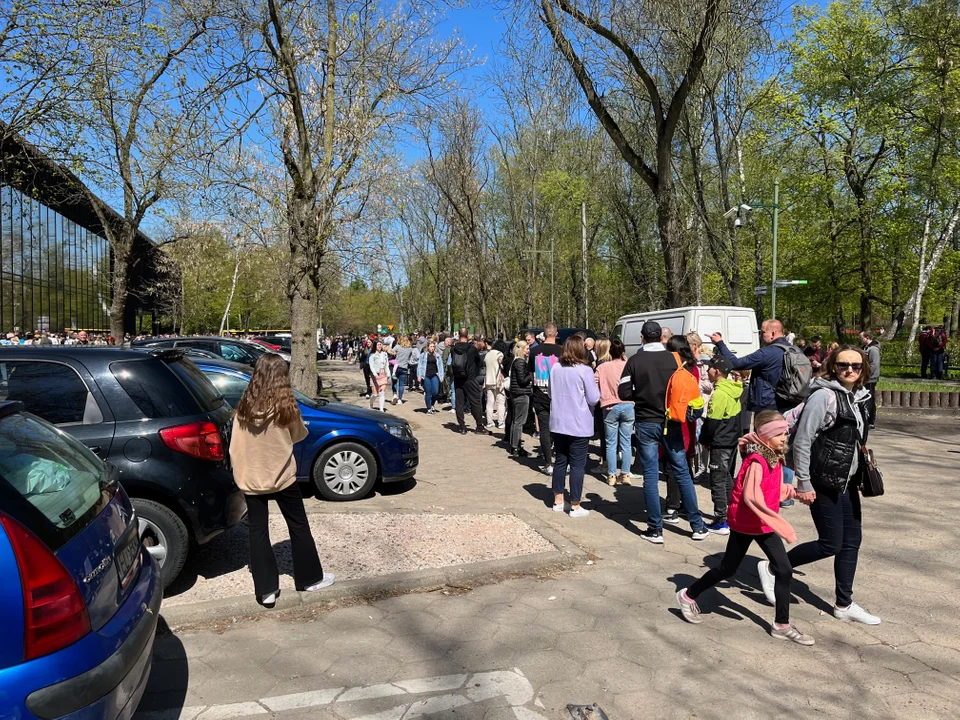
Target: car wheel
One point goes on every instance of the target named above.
(164, 536)
(345, 471)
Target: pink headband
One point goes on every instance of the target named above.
(772, 429)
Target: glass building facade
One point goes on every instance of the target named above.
(54, 273)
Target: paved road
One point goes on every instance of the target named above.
(606, 632)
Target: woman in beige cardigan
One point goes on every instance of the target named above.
(266, 426)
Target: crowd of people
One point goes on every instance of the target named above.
(81, 337)
(796, 420)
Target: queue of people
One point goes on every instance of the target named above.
(664, 407)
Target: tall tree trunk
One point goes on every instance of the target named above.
(233, 285)
(669, 232)
(303, 291)
(120, 281)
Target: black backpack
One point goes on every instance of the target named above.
(459, 363)
(794, 385)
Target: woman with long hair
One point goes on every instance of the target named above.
(430, 372)
(521, 390)
(266, 426)
(573, 393)
(618, 416)
(683, 389)
(830, 432)
(403, 354)
(379, 363)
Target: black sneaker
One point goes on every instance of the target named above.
(522, 452)
(672, 517)
(652, 536)
(462, 431)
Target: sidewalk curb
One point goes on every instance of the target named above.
(478, 573)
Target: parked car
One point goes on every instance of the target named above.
(80, 600)
(347, 449)
(738, 325)
(282, 343)
(241, 351)
(152, 414)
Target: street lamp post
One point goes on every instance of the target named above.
(775, 207)
(549, 252)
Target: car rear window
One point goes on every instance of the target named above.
(49, 482)
(191, 376)
(155, 388)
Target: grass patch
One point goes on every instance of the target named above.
(916, 386)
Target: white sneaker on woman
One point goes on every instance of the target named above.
(328, 580)
(855, 613)
(579, 512)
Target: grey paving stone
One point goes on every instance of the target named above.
(415, 648)
(545, 666)
(945, 660)
(297, 662)
(936, 683)
(588, 645)
(891, 659)
(617, 675)
(565, 620)
(357, 616)
(509, 613)
(359, 641)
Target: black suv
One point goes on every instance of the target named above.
(153, 415)
(239, 351)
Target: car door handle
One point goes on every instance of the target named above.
(95, 449)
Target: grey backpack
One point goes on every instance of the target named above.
(794, 385)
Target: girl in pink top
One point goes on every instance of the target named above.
(618, 416)
(753, 514)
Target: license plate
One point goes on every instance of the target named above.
(127, 557)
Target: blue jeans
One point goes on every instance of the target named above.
(650, 439)
(936, 364)
(399, 382)
(431, 387)
(572, 450)
(617, 425)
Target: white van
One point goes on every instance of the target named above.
(738, 325)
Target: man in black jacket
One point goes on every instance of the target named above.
(465, 369)
(644, 382)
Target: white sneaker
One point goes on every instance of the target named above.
(579, 512)
(559, 508)
(767, 581)
(855, 613)
(328, 580)
(548, 469)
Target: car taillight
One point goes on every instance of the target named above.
(198, 439)
(54, 612)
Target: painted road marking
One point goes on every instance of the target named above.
(512, 685)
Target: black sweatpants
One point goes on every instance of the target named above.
(737, 546)
(721, 480)
(542, 410)
(469, 390)
(307, 570)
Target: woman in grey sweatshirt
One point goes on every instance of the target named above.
(829, 433)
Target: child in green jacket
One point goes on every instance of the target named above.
(721, 433)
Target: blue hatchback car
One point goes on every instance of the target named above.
(80, 599)
(348, 448)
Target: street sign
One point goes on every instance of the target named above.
(789, 283)
(761, 289)
(390, 328)
(379, 327)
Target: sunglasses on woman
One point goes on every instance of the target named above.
(843, 367)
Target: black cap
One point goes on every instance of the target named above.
(722, 363)
(650, 330)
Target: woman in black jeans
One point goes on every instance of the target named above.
(829, 433)
(520, 392)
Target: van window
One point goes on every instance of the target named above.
(740, 329)
(618, 331)
(631, 333)
(707, 325)
(51, 390)
(49, 482)
(674, 323)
